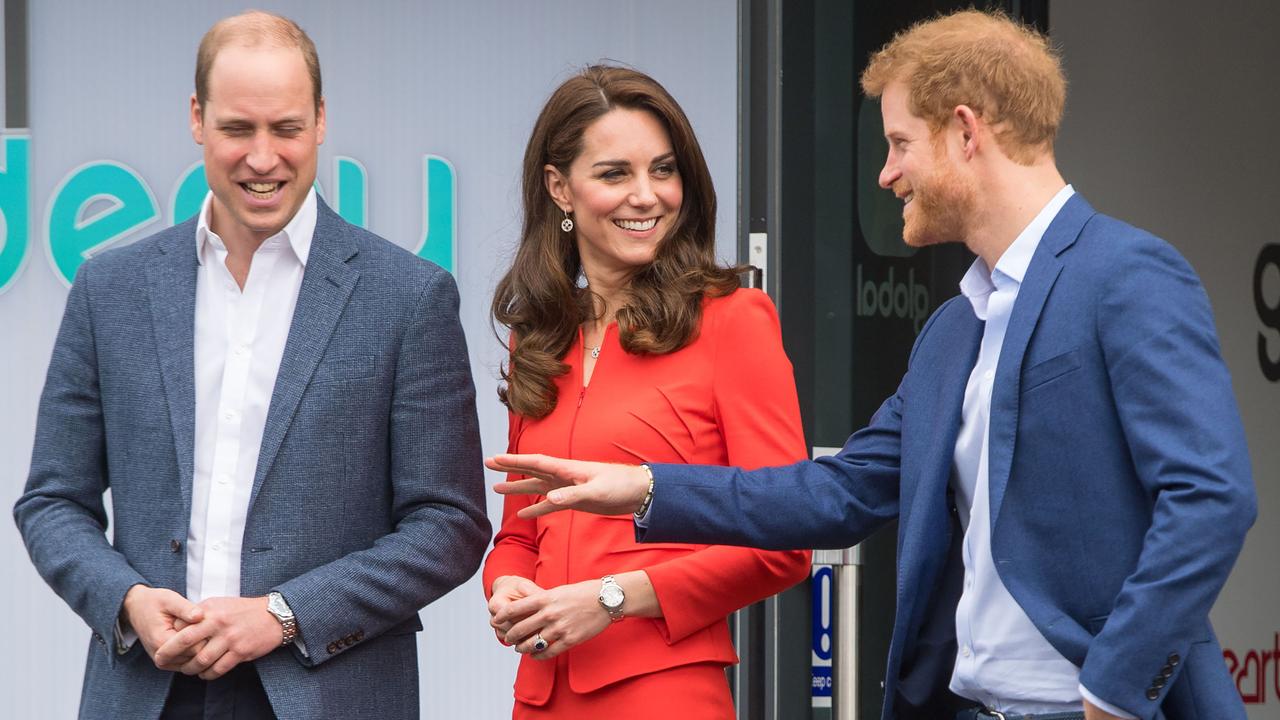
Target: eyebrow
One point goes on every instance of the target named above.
(626, 163)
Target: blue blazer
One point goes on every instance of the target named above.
(1120, 482)
(368, 500)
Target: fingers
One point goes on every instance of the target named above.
(171, 655)
(549, 469)
(176, 606)
(206, 656)
(518, 610)
(538, 509)
(529, 486)
(537, 644)
(223, 666)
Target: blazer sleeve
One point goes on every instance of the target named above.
(759, 418)
(1174, 399)
(437, 484)
(515, 548)
(61, 514)
(831, 502)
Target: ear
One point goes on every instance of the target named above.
(320, 122)
(969, 125)
(197, 121)
(558, 186)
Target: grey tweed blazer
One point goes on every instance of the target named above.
(368, 501)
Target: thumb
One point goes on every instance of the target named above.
(566, 496)
(174, 604)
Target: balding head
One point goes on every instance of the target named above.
(251, 29)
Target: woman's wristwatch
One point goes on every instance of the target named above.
(611, 597)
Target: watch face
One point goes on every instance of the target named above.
(611, 596)
(277, 605)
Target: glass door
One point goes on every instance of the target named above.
(852, 297)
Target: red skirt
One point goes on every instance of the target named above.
(688, 692)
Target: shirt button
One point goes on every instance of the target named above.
(216, 546)
(965, 651)
(242, 351)
(224, 479)
(229, 415)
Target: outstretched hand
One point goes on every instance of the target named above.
(600, 488)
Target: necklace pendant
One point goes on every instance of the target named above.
(595, 352)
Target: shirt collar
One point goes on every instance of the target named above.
(979, 282)
(299, 232)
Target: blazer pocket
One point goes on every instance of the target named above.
(345, 368)
(1051, 369)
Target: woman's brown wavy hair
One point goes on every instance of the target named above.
(539, 299)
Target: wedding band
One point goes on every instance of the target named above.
(539, 644)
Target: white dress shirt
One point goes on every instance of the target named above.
(1002, 660)
(239, 342)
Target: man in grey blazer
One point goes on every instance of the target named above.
(282, 408)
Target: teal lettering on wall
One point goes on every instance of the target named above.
(76, 229)
(102, 203)
(439, 211)
(351, 191)
(188, 194)
(15, 193)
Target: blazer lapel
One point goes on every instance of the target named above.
(924, 511)
(326, 287)
(1036, 286)
(171, 284)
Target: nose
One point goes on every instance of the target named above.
(642, 194)
(889, 173)
(262, 154)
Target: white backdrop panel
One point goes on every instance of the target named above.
(462, 80)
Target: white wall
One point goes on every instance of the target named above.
(1171, 116)
(463, 80)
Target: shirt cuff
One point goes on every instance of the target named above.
(124, 638)
(1104, 705)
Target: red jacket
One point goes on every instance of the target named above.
(727, 398)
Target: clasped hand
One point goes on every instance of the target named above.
(208, 639)
(563, 616)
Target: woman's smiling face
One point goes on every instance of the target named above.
(623, 189)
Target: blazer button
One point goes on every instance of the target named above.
(332, 648)
(1174, 659)
(1167, 671)
(175, 546)
(359, 635)
(1158, 681)
(350, 639)
(1152, 693)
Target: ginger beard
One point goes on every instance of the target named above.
(940, 206)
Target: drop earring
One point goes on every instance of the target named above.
(567, 223)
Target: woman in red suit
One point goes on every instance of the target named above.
(629, 344)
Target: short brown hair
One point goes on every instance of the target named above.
(252, 28)
(1006, 72)
(539, 299)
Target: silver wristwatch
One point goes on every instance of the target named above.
(611, 597)
(288, 625)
